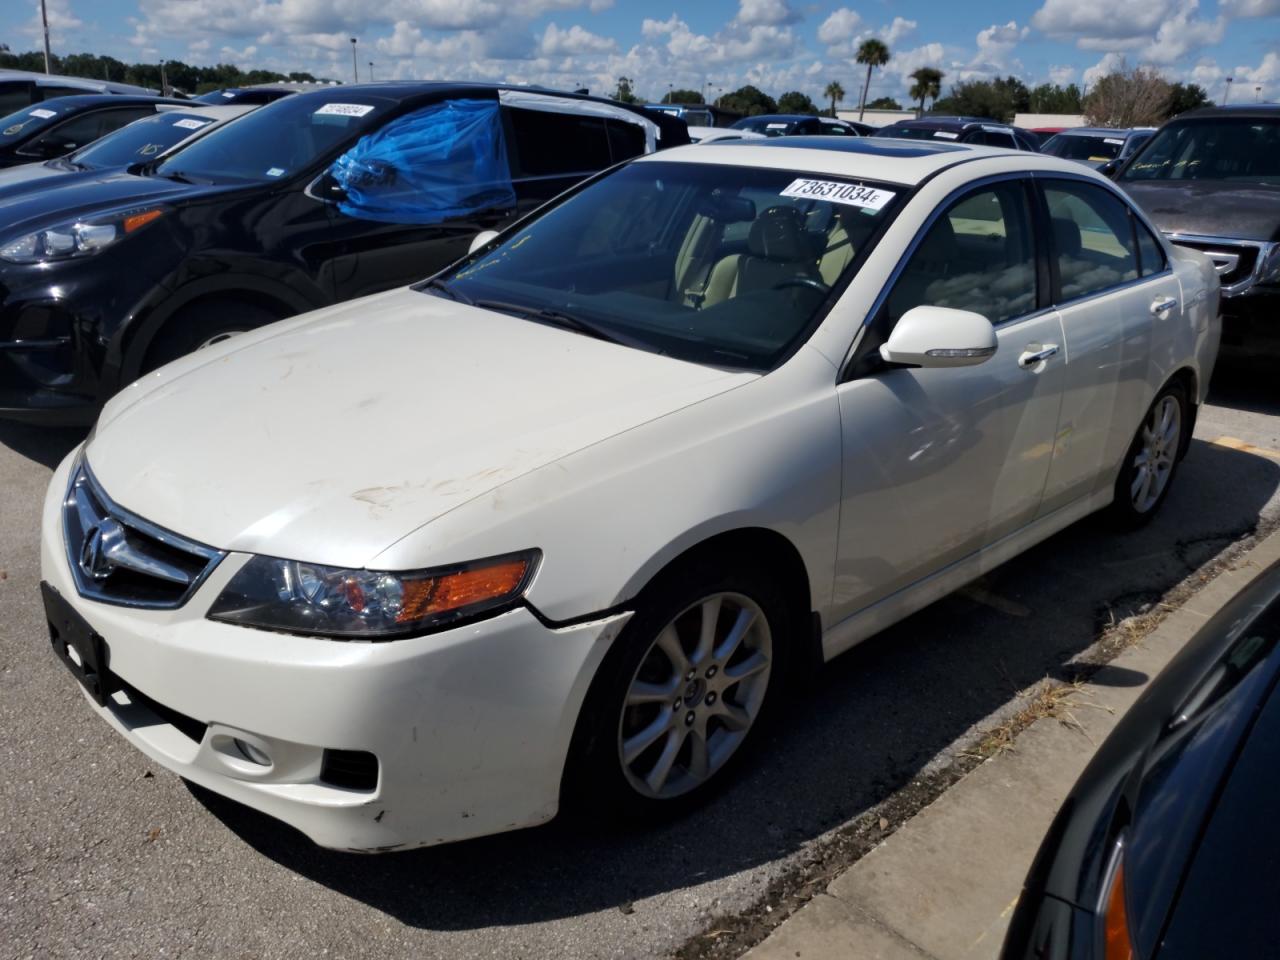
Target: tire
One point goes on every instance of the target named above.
(641, 714)
(203, 324)
(1161, 439)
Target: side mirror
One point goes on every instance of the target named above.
(1110, 169)
(940, 337)
(480, 239)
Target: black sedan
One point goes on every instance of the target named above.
(56, 127)
(1168, 847)
(316, 198)
(976, 130)
(797, 125)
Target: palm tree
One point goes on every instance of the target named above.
(874, 53)
(835, 92)
(928, 83)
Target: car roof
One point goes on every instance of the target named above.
(906, 162)
(1261, 111)
(1097, 132)
(84, 101)
(943, 122)
(57, 80)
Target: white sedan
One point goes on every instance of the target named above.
(560, 521)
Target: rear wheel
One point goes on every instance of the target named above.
(201, 325)
(682, 694)
(1152, 458)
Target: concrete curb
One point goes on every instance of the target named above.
(944, 885)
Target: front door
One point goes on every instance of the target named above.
(939, 463)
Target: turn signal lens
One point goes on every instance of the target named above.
(1115, 924)
(308, 598)
(132, 223)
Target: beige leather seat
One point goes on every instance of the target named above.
(778, 250)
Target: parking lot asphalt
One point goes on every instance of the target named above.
(102, 854)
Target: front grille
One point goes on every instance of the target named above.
(353, 769)
(117, 557)
(1234, 261)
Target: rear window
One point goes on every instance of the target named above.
(1088, 147)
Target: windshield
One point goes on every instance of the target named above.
(769, 127)
(717, 264)
(918, 133)
(27, 121)
(278, 140)
(1098, 148)
(141, 140)
(1220, 148)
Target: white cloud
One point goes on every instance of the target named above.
(1108, 64)
(1249, 8)
(899, 29)
(575, 40)
(1062, 75)
(1182, 34)
(1102, 24)
(839, 27)
(994, 46)
(773, 12)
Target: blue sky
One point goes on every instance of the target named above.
(776, 44)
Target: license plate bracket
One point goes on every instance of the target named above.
(78, 646)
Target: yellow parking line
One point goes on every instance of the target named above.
(1231, 443)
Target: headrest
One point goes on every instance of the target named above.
(778, 234)
(1066, 234)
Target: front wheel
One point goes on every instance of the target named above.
(1152, 458)
(684, 691)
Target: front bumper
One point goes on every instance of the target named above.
(470, 726)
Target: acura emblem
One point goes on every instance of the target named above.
(95, 552)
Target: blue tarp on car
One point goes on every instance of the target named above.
(444, 161)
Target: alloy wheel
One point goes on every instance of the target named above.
(695, 695)
(1161, 435)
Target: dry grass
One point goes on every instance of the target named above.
(1046, 699)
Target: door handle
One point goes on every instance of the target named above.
(1163, 305)
(1030, 358)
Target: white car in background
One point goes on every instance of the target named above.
(719, 134)
(560, 521)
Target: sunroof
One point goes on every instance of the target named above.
(870, 146)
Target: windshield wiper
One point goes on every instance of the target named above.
(435, 283)
(175, 175)
(557, 318)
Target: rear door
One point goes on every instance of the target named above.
(942, 462)
(1112, 287)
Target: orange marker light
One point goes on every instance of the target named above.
(140, 220)
(453, 591)
(1115, 930)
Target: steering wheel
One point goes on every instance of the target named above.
(818, 285)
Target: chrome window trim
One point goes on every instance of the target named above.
(127, 518)
(1266, 251)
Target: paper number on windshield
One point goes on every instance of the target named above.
(867, 197)
(191, 123)
(344, 110)
(44, 114)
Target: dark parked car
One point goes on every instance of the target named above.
(1210, 179)
(313, 199)
(795, 125)
(21, 88)
(140, 142)
(55, 128)
(1097, 146)
(990, 133)
(1168, 846)
(253, 95)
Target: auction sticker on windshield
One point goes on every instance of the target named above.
(344, 109)
(191, 123)
(847, 193)
(44, 114)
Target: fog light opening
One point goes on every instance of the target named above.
(251, 753)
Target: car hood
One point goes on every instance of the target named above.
(70, 196)
(1211, 208)
(329, 437)
(33, 176)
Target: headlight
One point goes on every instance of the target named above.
(331, 602)
(77, 238)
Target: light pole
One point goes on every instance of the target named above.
(355, 69)
(44, 20)
(1226, 95)
(1257, 93)
(164, 82)
(371, 71)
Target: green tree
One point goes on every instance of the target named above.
(928, 84)
(835, 93)
(1187, 96)
(793, 101)
(749, 101)
(997, 99)
(682, 96)
(874, 53)
(884, 103)
(623, 93)
(1052, 98)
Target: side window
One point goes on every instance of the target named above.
(555, 144)
(1093, 233)
(1150, 254)
(626, 140)
(52, 93)
(81, 130)
(14, 96)
(977, 256)
(997, 138)
(836, 130)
